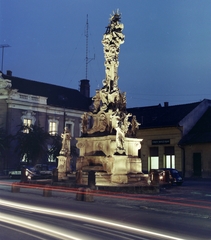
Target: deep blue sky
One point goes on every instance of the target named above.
(166, 55)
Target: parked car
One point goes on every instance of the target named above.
(14, 174)
(39, 171)
(17, 172)
(170, 175)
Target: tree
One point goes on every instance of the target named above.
(55, 145)
(4, 146)
(32, 143)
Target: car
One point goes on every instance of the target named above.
(14, 174)
(17, 172)
(170, 175)
(39, 171)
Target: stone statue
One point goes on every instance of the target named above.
(135, 125)
(84, 123)
(96, 101)
(66, 137)
(112, 39)
(120, 137)
(126, 123)
(5, 85)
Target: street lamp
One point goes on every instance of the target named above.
(2, 59)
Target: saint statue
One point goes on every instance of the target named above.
(84, 123)
(134, 125)
(66, 137)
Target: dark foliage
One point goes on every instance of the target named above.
(4, 142)
(32, 143)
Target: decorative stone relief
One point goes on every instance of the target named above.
(5, 85)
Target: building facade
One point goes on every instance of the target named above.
(26, 102)
(173, 136)
(176, 137)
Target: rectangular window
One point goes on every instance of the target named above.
(154, 162)
(52, 128)
(170, 161)
(170, 157)
(51, 158)
(154, 158)
(27, 123)
(70, 126)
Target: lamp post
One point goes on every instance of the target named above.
(2, 59)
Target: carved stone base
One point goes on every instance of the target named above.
(98, 154)
(108, 170)
(119, 178)
(63, 167)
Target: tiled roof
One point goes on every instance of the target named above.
(201, 132)
(57, 96)
(158, 116)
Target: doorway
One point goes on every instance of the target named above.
(91, 179)
(197, 164)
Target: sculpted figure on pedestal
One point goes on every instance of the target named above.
(66, 137)
(84, 123)
(120, 137)
(135, 125)
(96, 101)
(112, 39)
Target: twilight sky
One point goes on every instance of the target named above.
(166, 55)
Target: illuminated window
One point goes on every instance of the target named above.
(169, 157)
(170, 161)
(154, 158)
(27, 123)
(28, 119)
(53, 127)
(154, 162)
(51, 158)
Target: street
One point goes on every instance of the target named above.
(175, 213)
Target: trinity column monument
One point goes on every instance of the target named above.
(108, 144)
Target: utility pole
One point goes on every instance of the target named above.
(2, 59)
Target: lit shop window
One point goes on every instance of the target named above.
(169, 157)
(154, 158)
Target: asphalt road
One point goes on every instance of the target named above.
(175, 213)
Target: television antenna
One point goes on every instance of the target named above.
(2, 58)
(88, 60)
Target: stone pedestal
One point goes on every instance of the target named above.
(98, 154)
(63, 167)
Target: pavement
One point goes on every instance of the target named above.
(192, 198)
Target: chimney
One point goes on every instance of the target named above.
(85, 87)
(166, 104)
(9, 73)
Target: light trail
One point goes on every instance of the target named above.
(81, 217)
(117, 195)
(20, 231)
(34, 226)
